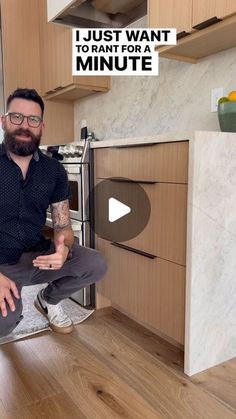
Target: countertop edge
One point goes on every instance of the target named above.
(159, 138)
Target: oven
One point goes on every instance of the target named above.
(78, 176)
(75, 158)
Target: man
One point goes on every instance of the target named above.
(30, 182)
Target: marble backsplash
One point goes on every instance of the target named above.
(176, 100)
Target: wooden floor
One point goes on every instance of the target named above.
(109, 367)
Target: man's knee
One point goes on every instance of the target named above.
(99, 265)
(93, 261)
(13, 318)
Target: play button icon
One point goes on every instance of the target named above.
(117, 210)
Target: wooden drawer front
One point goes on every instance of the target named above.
(150, 290)
(165, 233)
(164, 162)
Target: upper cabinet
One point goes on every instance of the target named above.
(212, 24)
(56, 64)
(20, 45)
(37, 54)
(21, 66)
(210, 10)
(164, 14)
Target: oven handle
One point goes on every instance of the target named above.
(72, 170)
(74, 177)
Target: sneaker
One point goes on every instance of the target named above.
(58, 319)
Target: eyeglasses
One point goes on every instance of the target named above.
(17, 119)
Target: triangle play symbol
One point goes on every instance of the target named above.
(117, 210)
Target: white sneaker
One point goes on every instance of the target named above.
(58, 319)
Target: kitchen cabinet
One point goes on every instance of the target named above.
(165, 233)
(56, 64)
(162, 14)
(149, 290)
(190, 303)
(59, 122)
(22, 65)
(161, 162)
(210, 31)
(20, 45)
(205, 11)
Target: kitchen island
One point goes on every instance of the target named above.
(210, 287)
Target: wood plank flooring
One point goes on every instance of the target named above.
(109, 367)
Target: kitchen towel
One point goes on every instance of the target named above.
(34, 322)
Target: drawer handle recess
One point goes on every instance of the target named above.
(49, 92)
(134, 145)
(182, 34)
(124, 180)
(131, 249)
(207, 23)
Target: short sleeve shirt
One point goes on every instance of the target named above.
(24, 202)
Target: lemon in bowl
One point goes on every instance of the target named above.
(232, 96)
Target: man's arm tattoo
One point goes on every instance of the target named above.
(60, 215)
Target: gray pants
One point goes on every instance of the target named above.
(84, 268)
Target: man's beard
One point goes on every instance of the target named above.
(21, 147)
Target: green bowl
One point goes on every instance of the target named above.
(227, 116)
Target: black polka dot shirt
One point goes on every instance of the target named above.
(23, 202)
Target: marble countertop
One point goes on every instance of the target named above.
(160, 138)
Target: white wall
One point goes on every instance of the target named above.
(176, 100)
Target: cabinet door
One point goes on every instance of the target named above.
(165, 233)
(151, 292)
(56, 63)
(56, 53)
(20, 44)
(163, 162)
(165, 13)
(59, 122)
(204, 10)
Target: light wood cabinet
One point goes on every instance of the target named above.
(163, 162)
(164, 235)
(150, 291)
(20, 45)
(165, 13)
(209, 28)
(148, 287)
(59, 122)
(21, 65)
(205, 10)
(56, 64)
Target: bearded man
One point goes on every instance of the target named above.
(30, 182)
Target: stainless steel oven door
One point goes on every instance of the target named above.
(78, 176)
(85, 296)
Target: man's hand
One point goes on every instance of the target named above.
(6, 286)
(57, 259)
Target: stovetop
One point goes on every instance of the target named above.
(76, 152)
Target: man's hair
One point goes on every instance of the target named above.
(28, 94)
